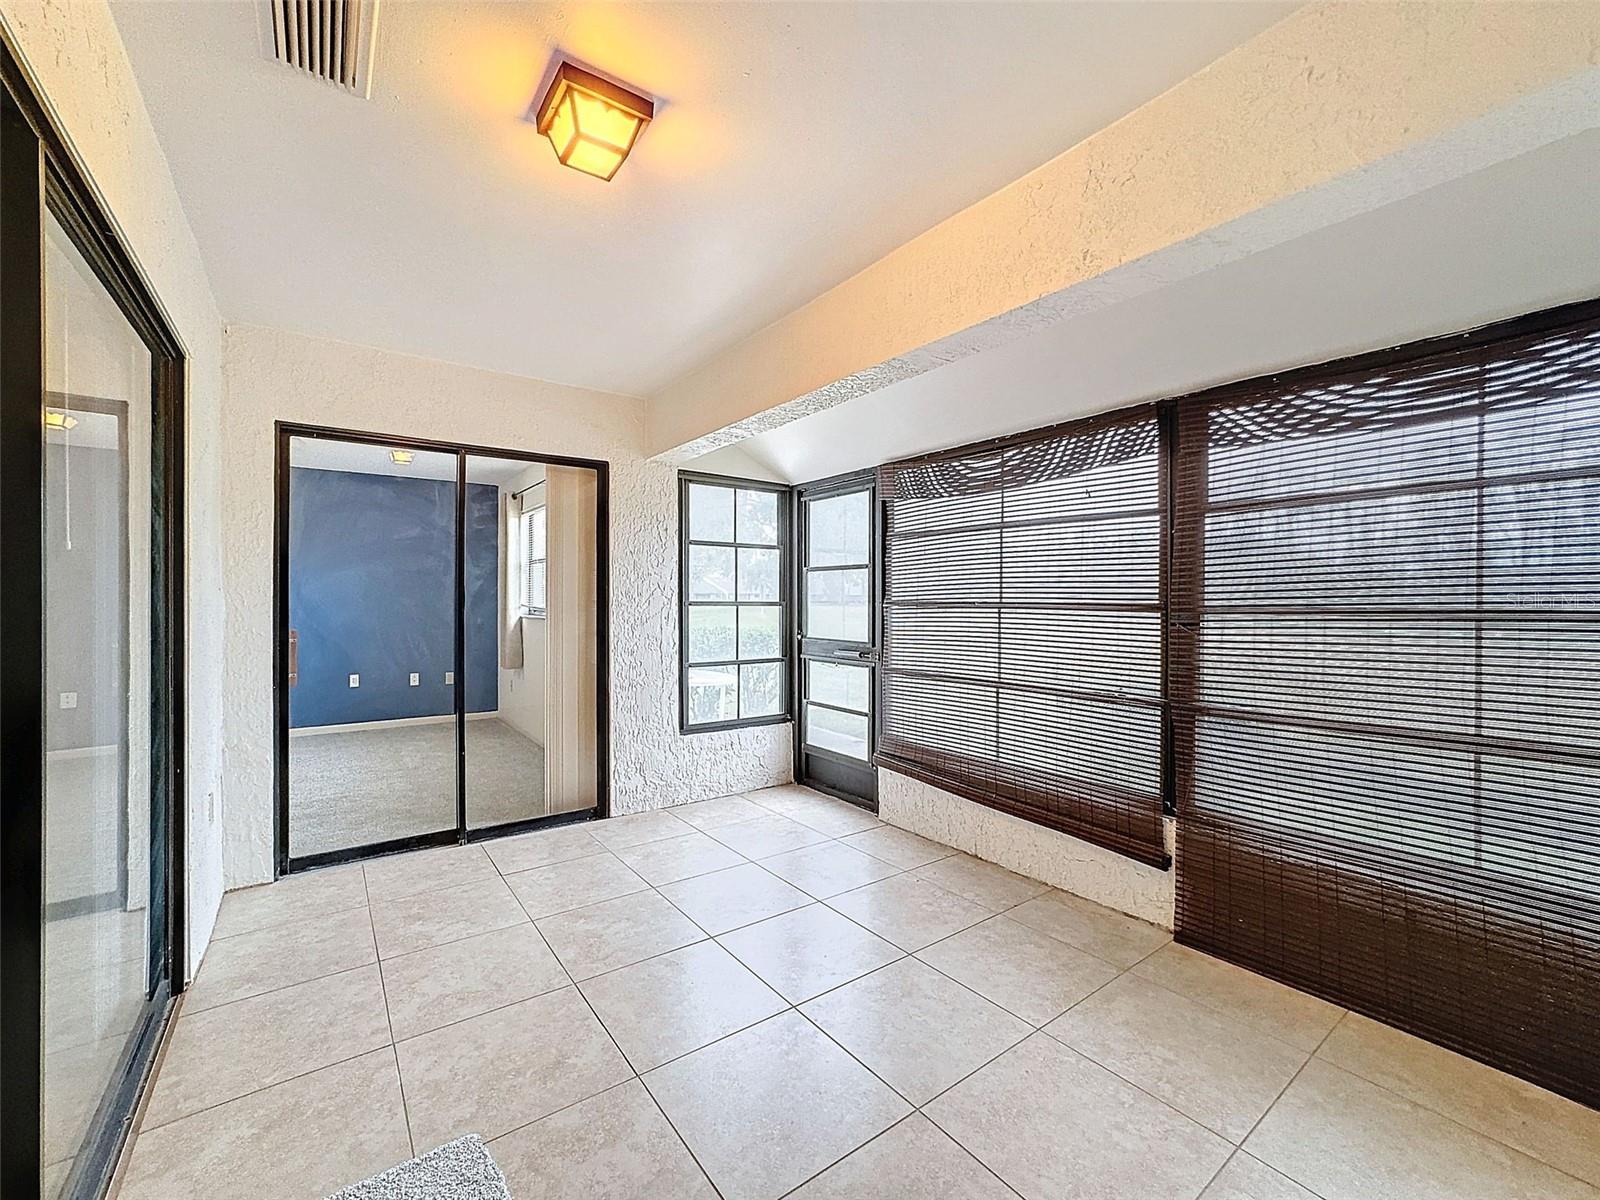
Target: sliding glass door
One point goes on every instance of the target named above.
(104, 942)
(440, 622)
(838, 636)
(91, 672)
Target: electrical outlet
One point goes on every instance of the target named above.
(415, 679)
(355, 681)
(449, 676)
(69, 699)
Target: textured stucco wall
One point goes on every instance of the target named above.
(272, 375)
(1335, 111)
(73, 51)
(1065, 862)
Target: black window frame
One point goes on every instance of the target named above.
(462, 832)
(1128, 821)
(785, 655)
(40, 175)
(814, 765)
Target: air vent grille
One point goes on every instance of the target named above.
(331, 39)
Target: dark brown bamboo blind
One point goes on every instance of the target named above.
(1385, 640)
(1022, 627)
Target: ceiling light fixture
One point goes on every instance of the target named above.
(401, 458)
(54, 418)
(592, 122)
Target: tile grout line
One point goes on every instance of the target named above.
(915, 1112)
(747, 924)
(578, 986)
(312, 1070)
(682, 1141)
(628, 1062)
(881, 1133)
(1040, 1030)
(1256, 1124)
(1236, 1148)
(1246, 1025)
(1405, 1099)
(508, 876)
(916, 1109)
(211, 1108)
(388, 1016)
(1034, 1032)
(790, 1006)
(1121, 971)
(913, 954)
(611, 1037)
(1193, 1120)
(796, 1008)
(218, 1007)
(377, 962)
(917, 954)
(956, 1142)
(1222, 1011)
(554, 862)
(656, 888)
(271, 925)
(1315, 1056)
(379, 959)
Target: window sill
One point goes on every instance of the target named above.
(725, 726)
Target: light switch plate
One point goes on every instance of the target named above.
(355, 681)
(449, 676)
(69, 699)
(415, 679)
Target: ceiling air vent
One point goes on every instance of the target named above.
(332, 39)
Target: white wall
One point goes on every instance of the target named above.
(522, 688)
(1055, 858)
(76, 57)
(272, 375)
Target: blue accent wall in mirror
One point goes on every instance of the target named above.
(372, 592)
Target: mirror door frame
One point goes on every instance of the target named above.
(462, 832)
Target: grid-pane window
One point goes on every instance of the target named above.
(1385, 654)
(534, 562)
(1022, 627)
(734, 611)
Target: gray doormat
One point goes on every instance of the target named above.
(458, 1170)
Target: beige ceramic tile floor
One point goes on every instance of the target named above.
(773, 995)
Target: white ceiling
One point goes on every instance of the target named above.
(795, 144)
(1513, 238)
(367, 458)
(91, 431)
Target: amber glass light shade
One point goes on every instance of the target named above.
(592, 122)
